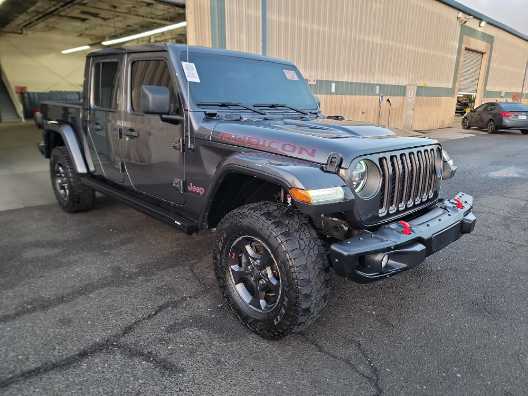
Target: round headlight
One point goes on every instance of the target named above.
(358, 176)
(364, 177)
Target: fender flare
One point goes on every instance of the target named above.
(71, 142)
(283, 171)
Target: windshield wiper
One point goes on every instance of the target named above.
(276, 105)
(230, 104)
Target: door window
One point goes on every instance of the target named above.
(481, 108)
(151, 72)
(105, 84)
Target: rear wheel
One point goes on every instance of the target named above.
(492, 128)
(465, 123)
(71, 194)
(524, 131)
(272, 269)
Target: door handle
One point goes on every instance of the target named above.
(98, 127)
(131, 133)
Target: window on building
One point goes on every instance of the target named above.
(151, 72)
(105, 84)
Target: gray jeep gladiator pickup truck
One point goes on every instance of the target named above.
(212, 139)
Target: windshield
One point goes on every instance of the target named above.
(514, 107)
(217, 78)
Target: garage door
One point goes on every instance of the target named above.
(469, 72)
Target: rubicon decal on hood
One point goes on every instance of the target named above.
(271, 145)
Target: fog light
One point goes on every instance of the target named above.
(384, 261)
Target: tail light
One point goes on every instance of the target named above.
(505, 114)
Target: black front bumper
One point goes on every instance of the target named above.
(372, 256)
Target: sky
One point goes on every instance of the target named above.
(513, 13)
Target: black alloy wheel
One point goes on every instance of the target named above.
(61, 182)
(254, 274)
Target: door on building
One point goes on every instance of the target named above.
(152, 152)
(103, 117)
(468, 79)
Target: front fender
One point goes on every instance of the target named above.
(70, 141)
(287, 172)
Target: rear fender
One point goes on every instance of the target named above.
(70, 141)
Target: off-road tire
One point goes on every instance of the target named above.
(465, 123)
(524, 131)
(80, 197)
(492, 128)
(300, 255)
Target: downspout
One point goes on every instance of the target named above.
(524, 81)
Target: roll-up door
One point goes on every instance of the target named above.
(469, 72)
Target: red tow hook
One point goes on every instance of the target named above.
(459, 203)
(406, 228)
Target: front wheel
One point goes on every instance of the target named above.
(272, 268)
(524, 131)
(71, 194)
(492, 128)
(465, 123)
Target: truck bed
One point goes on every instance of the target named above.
(62, 113)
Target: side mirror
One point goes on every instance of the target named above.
(154, 99)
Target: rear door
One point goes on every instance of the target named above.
(153, 148)
(104, 115)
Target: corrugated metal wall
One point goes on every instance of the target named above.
(198, 16)
(410, 41)
(243, 25)
(508, 62)
(367, 48)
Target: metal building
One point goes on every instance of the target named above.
(356, 54)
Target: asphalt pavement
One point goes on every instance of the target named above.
(113, 302)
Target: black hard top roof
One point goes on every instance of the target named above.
(181, 48)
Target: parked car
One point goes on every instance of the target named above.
(207, 138)
(496, 116)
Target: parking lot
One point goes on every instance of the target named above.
(113, 301)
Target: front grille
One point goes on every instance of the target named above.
(409, 178)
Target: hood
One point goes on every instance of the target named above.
(313, 140)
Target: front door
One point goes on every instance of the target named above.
(103, 117)
(152, 152)
(481, 116)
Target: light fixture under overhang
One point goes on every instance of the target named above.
(483, 23)
(76, 49)
(145, 34)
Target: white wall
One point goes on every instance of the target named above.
(35, 61)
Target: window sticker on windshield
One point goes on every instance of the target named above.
(290, 74)
(190, 72)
